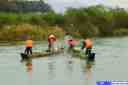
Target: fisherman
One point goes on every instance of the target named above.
(67, 36)
(51, 41)
(87, 43)
(71, 43)
(28, 49)
(68, 40)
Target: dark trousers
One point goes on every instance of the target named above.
(28, 50)
(88, 51)
(51, 47)
(71, 47)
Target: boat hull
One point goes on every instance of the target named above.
(39, 54)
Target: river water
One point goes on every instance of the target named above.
(110, 64)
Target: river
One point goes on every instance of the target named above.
(110, 64)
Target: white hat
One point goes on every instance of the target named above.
(51, 36)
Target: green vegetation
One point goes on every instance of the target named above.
(43, 19)
(97, 21)
(20, 32)
(93, 21)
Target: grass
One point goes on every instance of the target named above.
(21, 31)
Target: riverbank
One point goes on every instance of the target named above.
(16, 34)
(21, 31)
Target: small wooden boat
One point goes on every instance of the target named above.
(76, 52)
(40, 54)
(80, 55)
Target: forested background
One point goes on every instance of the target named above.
(92, 21)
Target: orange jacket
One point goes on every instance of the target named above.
(29, 43)
(88, 43)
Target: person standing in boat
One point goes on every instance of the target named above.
(51, 41)
(87, 44)
(67, 40)
(28, 49)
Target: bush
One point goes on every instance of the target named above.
(20, 32)
(120, 32)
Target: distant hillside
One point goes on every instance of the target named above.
(24, 6)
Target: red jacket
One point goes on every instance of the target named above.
(51, 39)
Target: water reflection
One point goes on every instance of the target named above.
(88, 69)
(69, 66)
(51, 69)
(28, 65)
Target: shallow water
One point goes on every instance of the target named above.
(110, 64)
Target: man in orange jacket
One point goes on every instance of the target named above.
(87, 43)
(28, 49)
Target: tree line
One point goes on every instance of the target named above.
(24, 6)
(93, 21)
(97, 21)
